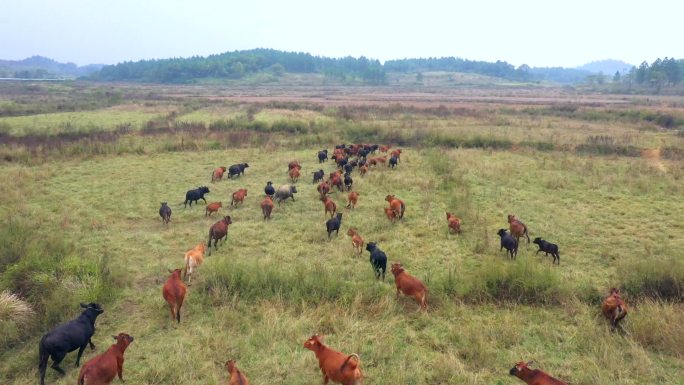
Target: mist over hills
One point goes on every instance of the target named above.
(608, 66)
(40, 67)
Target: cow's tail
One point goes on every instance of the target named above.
(525, 233)
(347, 362)
(403, 208)
(43, 356)
(187, 266)
(209, 242)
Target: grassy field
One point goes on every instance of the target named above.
(82, 226)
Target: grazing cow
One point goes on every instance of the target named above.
(238, 197)
(548, 247)
(218, 231)
(338, 367)
(378, 259)
(237, 169)
(329, 206)
(322, 156)
(409, 285)
(356, 240)
(218, 174)
(236, 376)
(212, 207)
(393, 162)
(323, 188)
(195, 195)
(285, 191)
(348, 181)
(67, 337)
(614, 308)
(102, 369)
(509, 243)
(363, 170)
(294, 164)
(454, 223)
(294, 174)
(165, 212)
(518, 229)
(533, 377)
(267, 207)
(353, 198)
(318, 176)
(333, 224)
(174, 292)
(391, 215)
(193, 258)
(397, 205)
(269, 190)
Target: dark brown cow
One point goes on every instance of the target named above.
(218, 231)
(174, 292)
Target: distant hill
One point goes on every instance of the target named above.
(608, 66)
(41, 67)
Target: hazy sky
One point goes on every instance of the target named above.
(535, 32)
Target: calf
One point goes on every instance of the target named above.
(237, 169)
(269, 190)
(333, 224)
(174, 292)
(397, 205)
(218, 174)
(238, 197)
(218, 231)
(67, 337)
(329, 206)
(322, 156)
(318, 176)
(409, 285)
(454, 223)
(391, 215)
(294, 174)
(353, 198)
(212, 207)
(533, 377)
(195, 195)
(193, 258)
(236, 376)
(547, 248)
(614, 308)
(267, 207)
(518, 229)
(338, 367)
(348, 181)
(165, 212)
(284, 192)
(102, 369)
(356, 240)
(509, 242)
(378, 260)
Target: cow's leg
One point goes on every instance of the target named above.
(80, 352)
(57, 357)
(90, 342)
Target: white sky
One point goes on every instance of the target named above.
(534, 32)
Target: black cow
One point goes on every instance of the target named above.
(348, 181)
(393, 162)
(67, 337)
(165, 212)
(322, 156)
(195, 195)
(348, 167)
(363, 153)
(509, 242)
(269, 189)
(237, 169)
(378, 260)
(333, 224)
(318, 176)
(342, 162)
(548, 247)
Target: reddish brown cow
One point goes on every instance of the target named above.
(381, 159)
(323, 188)
(409, 285)
(212, 207)
(337, 182)
(397, 205)
(267, 207)
(518, 229)
(454, 223)
(396, 153)
(239, 196)
(329, 206)
(294, 174)
(294, 164)
(391, 215)
(236, 376)
(614, 308)
(218, 231)
(356, 240)
(338, 367)
(174, 293)
(363, 170)
(383, 148)
(533, 377)
(372, 162)
(352, 198)
(102, 369)
(218, 174)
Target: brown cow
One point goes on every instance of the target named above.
(336, 180)
(363, 170)
(533, 377)
(353, 198)
(239, 196)
(391, 215)
(102, 369)
(294, 174)
(218, 231)
(397, 205)
(338, 367)
(454, 223)
(294, 164)
(383, 148)
(323, 188)
(236, 376)
(174, 293)
(329, 206)
(381, 159)
(193, 258)
(518, 229)
(218, 174)
(614, 308)
(409, 285)
(357, 241)
(396, 153)
(212, 207)
(267, 207)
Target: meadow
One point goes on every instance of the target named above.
(600, 175)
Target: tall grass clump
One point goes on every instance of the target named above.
(659, 279)
(15, 317)
(658, 326)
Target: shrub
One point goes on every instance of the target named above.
(660, 279)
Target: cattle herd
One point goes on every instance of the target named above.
(335, 366)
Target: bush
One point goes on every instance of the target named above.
(660, 279)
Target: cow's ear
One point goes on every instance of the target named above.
(83, 305)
